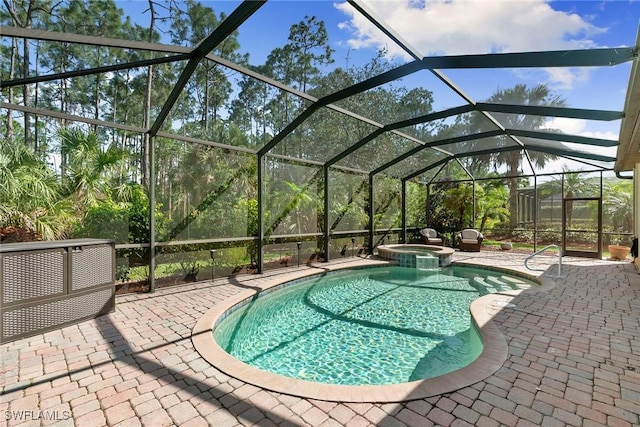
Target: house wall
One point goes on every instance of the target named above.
(636, 205)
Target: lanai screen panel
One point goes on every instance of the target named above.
(296, 43)
(581, 185)
(603, 151)
(325, 134)
(567, 125)
(418, 161)
(91, 168)
(452, 126)
(450, 207)
(203, 192)
(259, 110)
(379, 151)
(387, 203)
(617, 215)
(348, 195)
(116, 97)
(292, 198)
(553, 86)
(549, 86)
(416, 201)
(549, 210)
(214, 108)
(389, 102)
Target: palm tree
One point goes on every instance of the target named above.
(31, 207)
(491, 206)
(519, 95)
(89, 167)
(617, 206)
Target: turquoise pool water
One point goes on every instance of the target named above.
(383, 325)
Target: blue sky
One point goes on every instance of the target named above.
(453, 27)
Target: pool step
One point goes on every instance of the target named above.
(493, 284)
(515, 283)
(484, 284)
(499, 284)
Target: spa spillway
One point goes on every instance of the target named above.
(409, 255)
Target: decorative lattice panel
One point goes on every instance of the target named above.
(91, 266)
(46, 315)
(27, 275)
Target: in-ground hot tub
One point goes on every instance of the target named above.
(407, 253)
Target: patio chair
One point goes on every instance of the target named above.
(470, 240)
(431, 237)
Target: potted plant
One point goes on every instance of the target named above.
(618, 252)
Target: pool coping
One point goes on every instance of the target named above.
(491, 359)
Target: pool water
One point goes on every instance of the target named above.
(383, 325)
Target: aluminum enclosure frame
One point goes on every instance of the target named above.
(435, 65)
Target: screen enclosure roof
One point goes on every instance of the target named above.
(592, 125)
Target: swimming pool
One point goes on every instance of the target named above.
(361, 327)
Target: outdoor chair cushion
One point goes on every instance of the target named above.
(429, 232)
(430, 236)
(470, 240)
(469, 235)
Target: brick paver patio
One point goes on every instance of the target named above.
(574, 360)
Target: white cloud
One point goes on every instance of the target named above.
(566, 125)
(578, 127)
(459, 27)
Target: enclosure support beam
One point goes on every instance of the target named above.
(404, 211)
(427, 206)
(226, 27)
(92, 71)
(473, 201)
(600, 231)
(372, 212)
(445, 141)
(541, 110)
(260, 196)
(152, 211)
(603, 57)
(561, 137)
(325, 179)
(535, 213)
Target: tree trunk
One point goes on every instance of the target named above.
(96, 94)
(144, 162)
(12, 66)
(28, 137)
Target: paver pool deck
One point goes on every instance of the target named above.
(573, 360)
